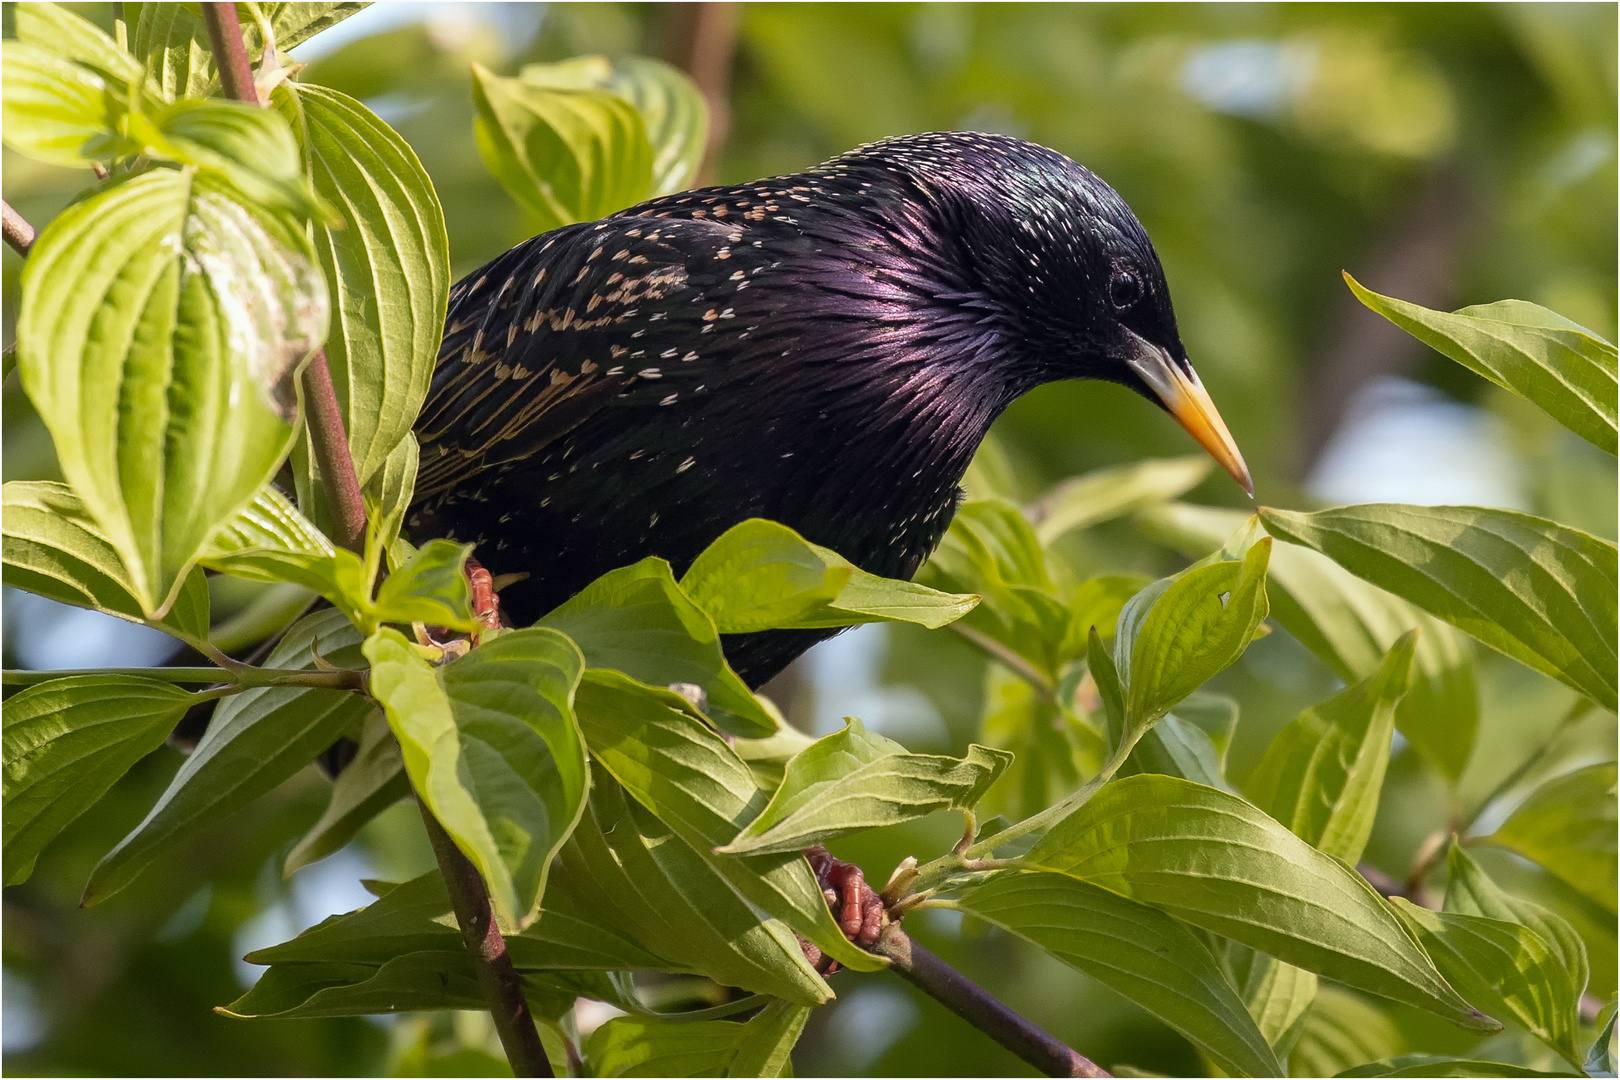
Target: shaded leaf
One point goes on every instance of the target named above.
(1136, 950)
(762, 576)
(256, 740)
(634, 1046)
(67, 741)
(1531, 588)
(1568, 826)
(852, 780)
(1097, 496)
(1600, 1057)
(492, 747)
(1341, 1032)
(198, 309)
(1190, 742)
(368, 785)
(1538, 354)
(1439, 1065)
(638, 621)
(1210, 859)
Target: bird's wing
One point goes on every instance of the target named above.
(542, 338)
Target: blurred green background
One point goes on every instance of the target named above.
(1449, 154)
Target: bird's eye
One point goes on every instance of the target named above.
(1125, 289)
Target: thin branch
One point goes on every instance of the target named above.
(503, 991)
(1011, 660)
(496, 975)
(701, 40)
(972, 1003)
(19, 234)
(242, 677)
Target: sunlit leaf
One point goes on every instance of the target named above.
(66, 742)
(251, 149)
(1531, 588)
(59, 31)
(172, 40)
(1136, 950)
(1568, 826)
(57, 111)
(1538, 354)
(634, 1046)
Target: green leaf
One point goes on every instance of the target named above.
(853, 780)
(672, 109)
(1097, 602)
(1341, 1032)
(1600, 1058)
(388, 498)
(1538, 354)
(1136, 950)
(389, 265)
(1507, 968)
(368, 785)
(1469, 891)
(1322, 774)
(51, 548)
(1211, 859)
(1097, 496)
(430, 588)
(1351, 625)
(1277, 995)
(674, 765)
(641, 881)
(565, 155)
(1439, 1065)
(763, 576)
(638, 621)
(58, 111)
(1177, 634)
(492, 747)
(69, 740)
(633, 1046)
(59, 31)
(1531, 588)
(417, 917)
(256, 740)
(1052, 747)
(249, 148)
(199, 310)
(1568, 826)
(1189, 743)
(173, 41)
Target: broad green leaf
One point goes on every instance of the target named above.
(565, 155)
(638, 621)
(852, 780)
(767, 758)
(1439, 1065)
(66, 742)
(59, 31)
(1351, 625)
(51, 548)
(173, 42)
(634, 1046)
(199, 310)
(1177, 634)
(1277, 995)
(249, 148)
(763, 576)
(268, 614)
(414, 982)
(1509, 970)
(1210, 859)
(389, 266)
(674, 765)
(1568, 826)
(1342, 1031)
(1538, 354)
(672, 109)
(430, 588)
(1113, 492)
(417, 917)
(368, 785)
(1531, 588)
(1136, 950)
(1322, 774)
(256, 740)
(1189, 743)
(492, 747)
(58, 111)
(641, 881)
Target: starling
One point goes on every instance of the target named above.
(825, 349)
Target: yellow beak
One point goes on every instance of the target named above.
(1184, 395)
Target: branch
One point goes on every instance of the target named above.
(241, 677)
(701, 40)
(496, 975)
(1011, 660)
(19, 234)
(503, 991)
(972, 1003)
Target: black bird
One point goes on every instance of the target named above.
(825, 349)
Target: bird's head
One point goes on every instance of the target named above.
(1065, 267)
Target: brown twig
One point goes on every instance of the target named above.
(701, 40)
(19, 234)
(329, 442)
(496, 975)
(972, 1003)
